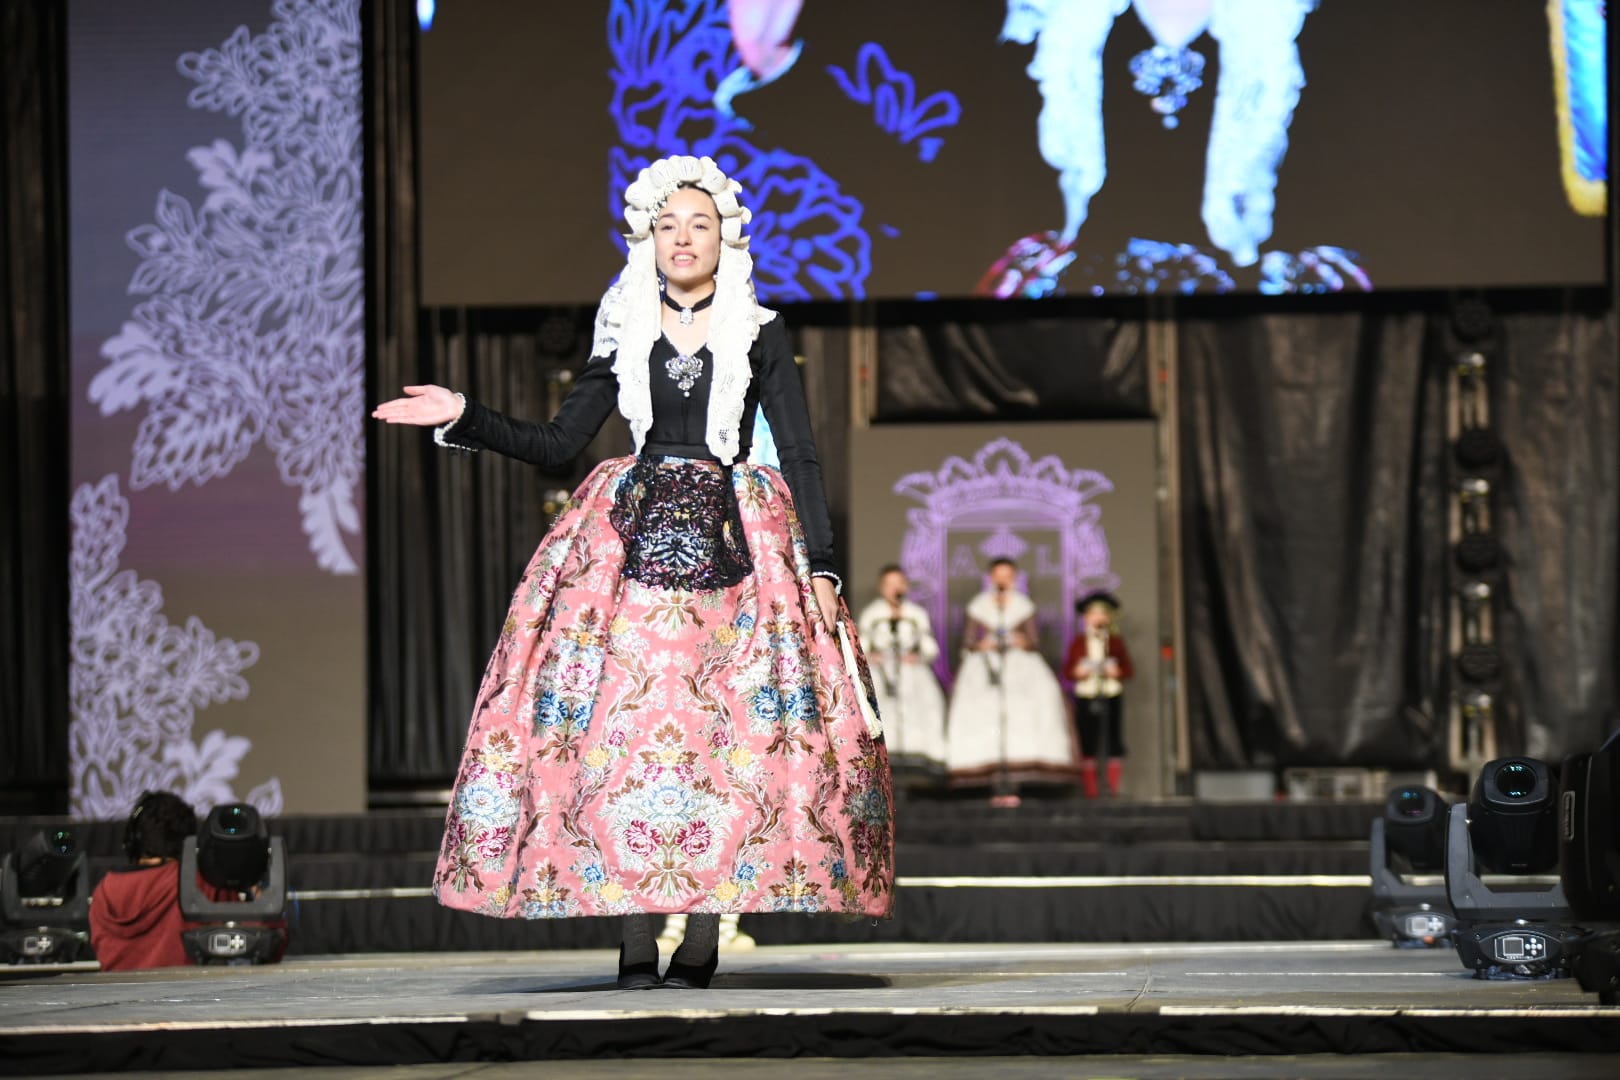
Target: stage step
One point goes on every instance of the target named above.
(917, 820)
(1049, 870)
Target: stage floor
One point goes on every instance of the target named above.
(866, 1001)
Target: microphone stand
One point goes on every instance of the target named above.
(897, 683)
(1002, 793)
(1101, 713)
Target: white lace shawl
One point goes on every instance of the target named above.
(984, 610)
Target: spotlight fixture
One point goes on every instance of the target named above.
(1517, 929)
(1477, 448)
(1415, 827)
(1478, 552)
(235, 854)
(1472, 320)
(1589, 834)
(1478, 663)
(1410, 839)
(1513, 817)
(45, 900)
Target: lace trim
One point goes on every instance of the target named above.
(838, 582)
(986, 612)
(442, 430)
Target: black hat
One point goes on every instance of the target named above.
(1097, 596)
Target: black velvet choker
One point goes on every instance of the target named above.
(687, 312)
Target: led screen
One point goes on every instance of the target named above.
(1026, 148)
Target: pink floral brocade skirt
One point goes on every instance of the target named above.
(643, 749)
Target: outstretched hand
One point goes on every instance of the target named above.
(427, 406)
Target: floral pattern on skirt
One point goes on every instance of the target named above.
(637, 749)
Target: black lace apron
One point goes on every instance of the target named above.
(679, 522)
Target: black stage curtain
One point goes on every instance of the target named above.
(1010, 362)
(33, 409)
(1315, 490)
(1557, 398)
(1313, 532)
(447, 533)
(454, 532)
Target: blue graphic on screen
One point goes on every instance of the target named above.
(669, 58)
(1580, 62)
(1585, 31)
(893, 97)
(679, 71)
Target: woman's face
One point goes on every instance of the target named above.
(893, 586)
(686, 238)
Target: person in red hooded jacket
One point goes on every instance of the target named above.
(135, 919)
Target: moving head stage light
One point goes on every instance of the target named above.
(1509, 929)
(235, 854)
(1411, 839)
(45, 900)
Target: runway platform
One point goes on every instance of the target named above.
(862, 1001)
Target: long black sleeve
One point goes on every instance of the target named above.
(782, 395)
(551, 445)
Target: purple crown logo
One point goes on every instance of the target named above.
(1001, 492)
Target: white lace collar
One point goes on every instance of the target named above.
(984, 610)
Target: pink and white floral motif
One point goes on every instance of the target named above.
(694, 839)
(640, 839)
(494, 843)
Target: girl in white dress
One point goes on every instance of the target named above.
(901, 649)
(1008, 721)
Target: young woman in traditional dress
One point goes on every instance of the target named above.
(900, 639)
(670, 722)
(1007, 723)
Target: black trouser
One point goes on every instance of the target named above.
(1099, 718)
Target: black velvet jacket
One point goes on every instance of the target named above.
(679, 426)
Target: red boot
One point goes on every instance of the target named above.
(1088, 777)
(1116, 768)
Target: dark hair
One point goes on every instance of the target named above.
(158, 826)
(891, 568)
(1106, 599)
(1003, 561)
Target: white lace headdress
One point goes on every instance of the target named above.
(629, 319)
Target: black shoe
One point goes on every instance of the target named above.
(641, 976)
(692, 976)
